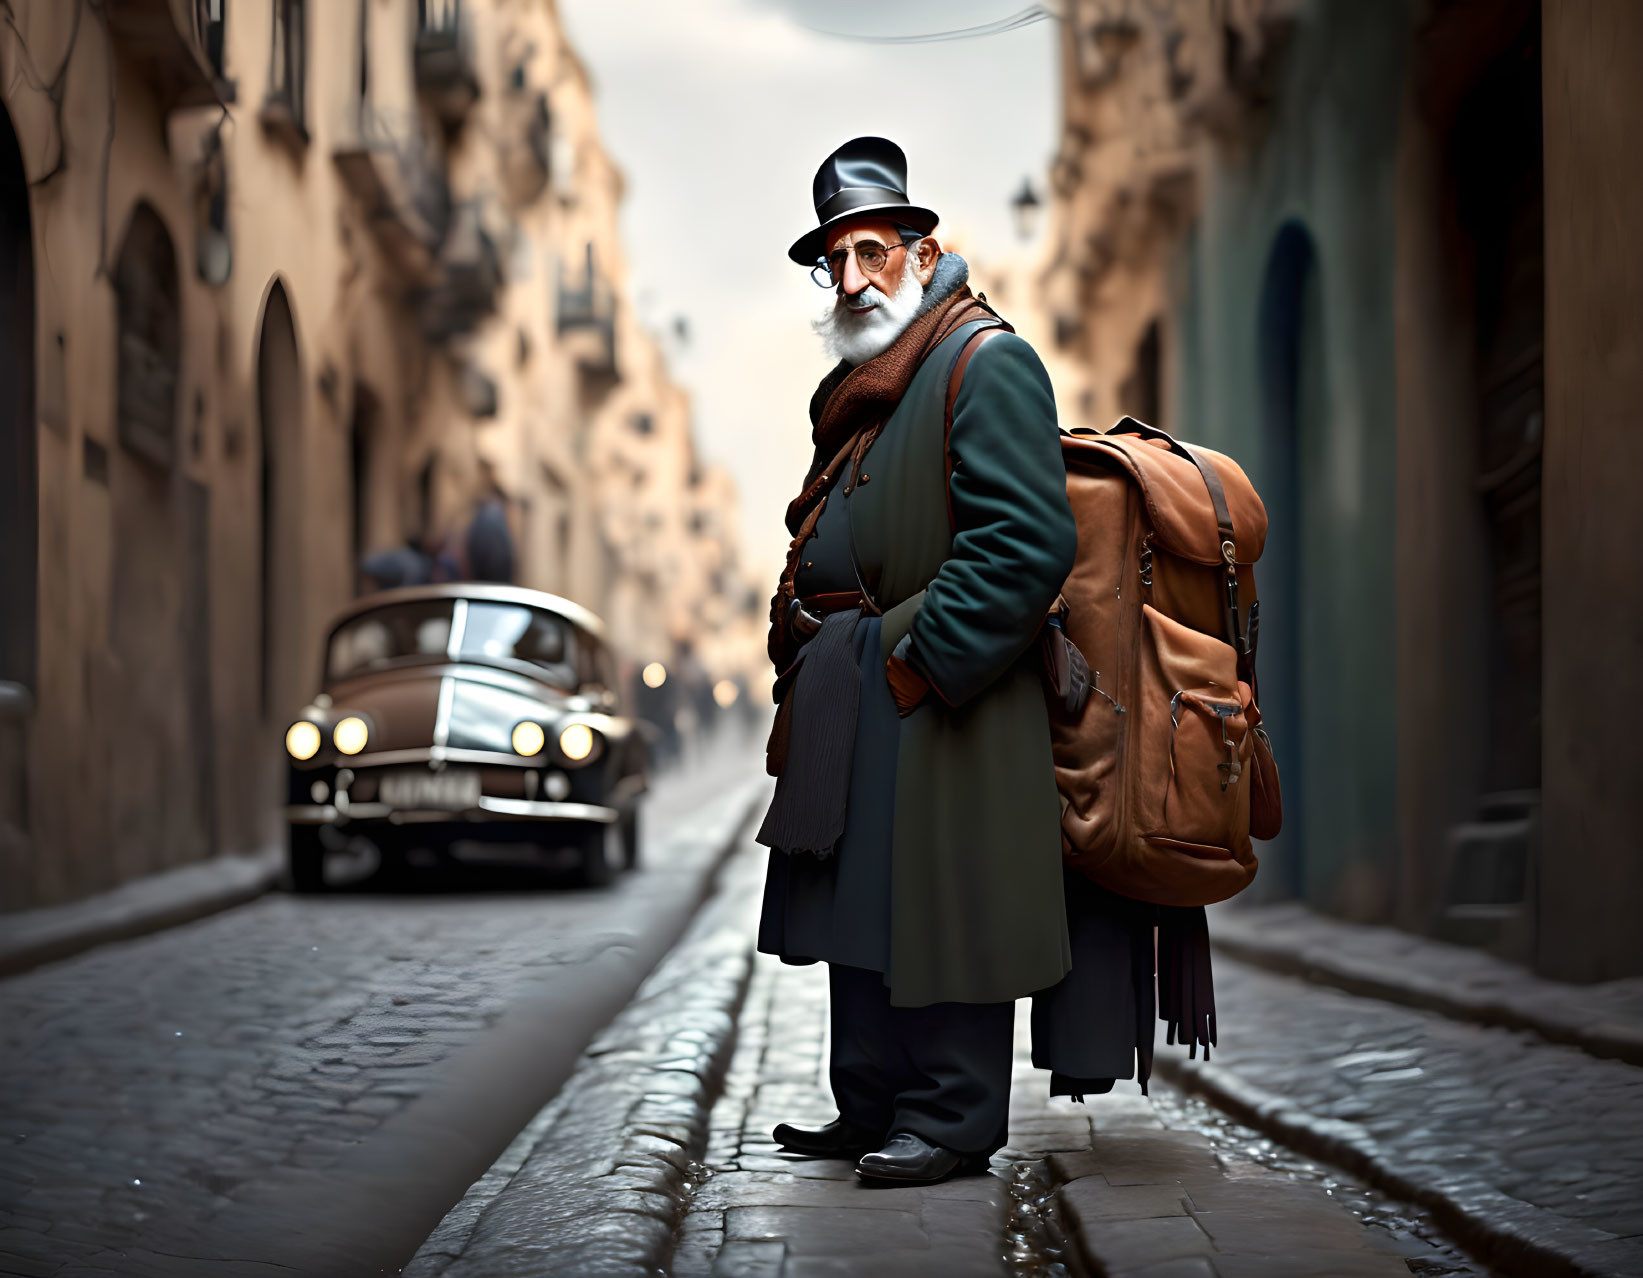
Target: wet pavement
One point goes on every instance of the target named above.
(306, 1084)
(1540, 1141)
(1408, 1228)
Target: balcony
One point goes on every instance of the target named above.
(587, 323)
(165, 39)
(527, 146)
(284, 110)
(445, 72)
(466, 280)
(406, 200)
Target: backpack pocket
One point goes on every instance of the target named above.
(1194, 780)
(1208, 796)
(1266, 804)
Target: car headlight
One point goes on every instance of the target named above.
(303, 740)
(528, 738)
(576, 742)
(350, 735)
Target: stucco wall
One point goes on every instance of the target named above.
(1324, 167)
(115, 781)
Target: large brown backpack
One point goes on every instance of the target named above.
(1163, 769)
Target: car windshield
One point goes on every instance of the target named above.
(513, 632)
(389, 634)
(490, 632)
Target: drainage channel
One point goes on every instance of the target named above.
(1427, 1251)
(1035, 1241)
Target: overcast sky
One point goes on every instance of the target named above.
(720, 111)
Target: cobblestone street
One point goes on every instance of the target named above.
(305, 1084)
(1538, 1136)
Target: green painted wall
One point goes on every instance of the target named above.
(1322, 168)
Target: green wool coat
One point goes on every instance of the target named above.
(977, 913)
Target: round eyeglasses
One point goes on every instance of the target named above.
(871, 256)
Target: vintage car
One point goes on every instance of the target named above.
(465, 712)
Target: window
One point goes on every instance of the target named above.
(210, 17)
(364, 55)
(510, 632)
(148, 319)
(598, 668)
(438, 15)
(383, 636)
(288, 66)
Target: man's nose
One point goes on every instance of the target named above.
(853, 280)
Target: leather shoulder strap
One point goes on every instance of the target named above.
(955, 380)
(1217, 498)
(1232, 614)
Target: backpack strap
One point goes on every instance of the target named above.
(1232, 612)
(955, 379)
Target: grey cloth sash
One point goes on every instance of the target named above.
(807, 813)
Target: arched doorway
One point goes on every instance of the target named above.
(159, 606)
(1289, 335)
(19, 510)
(279, 417)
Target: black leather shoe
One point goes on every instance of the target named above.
(839, 1139)
(911, 1160)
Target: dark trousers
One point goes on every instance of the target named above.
(941, 1072)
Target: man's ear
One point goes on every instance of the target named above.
(927, 252)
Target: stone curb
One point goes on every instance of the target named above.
(1454, 981)
(30, 938)
(1512, 1236)
(597, 1183)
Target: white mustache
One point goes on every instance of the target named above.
(859, 327)
(870, 295)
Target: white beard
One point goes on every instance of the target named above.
(857, 337)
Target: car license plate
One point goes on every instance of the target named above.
(453, 790)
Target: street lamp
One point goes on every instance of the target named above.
(1026, 206)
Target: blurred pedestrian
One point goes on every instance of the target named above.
(489, 540)
(405, 565)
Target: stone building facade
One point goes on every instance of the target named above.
(283, 283)
(1376, 253)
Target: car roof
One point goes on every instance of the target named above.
(479, 591)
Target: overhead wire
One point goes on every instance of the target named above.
(1022, 18)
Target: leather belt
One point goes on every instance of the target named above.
(804, 616)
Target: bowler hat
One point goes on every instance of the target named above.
(865, 175)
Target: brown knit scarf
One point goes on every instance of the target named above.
(847, 411)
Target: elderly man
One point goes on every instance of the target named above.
(915, 837)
